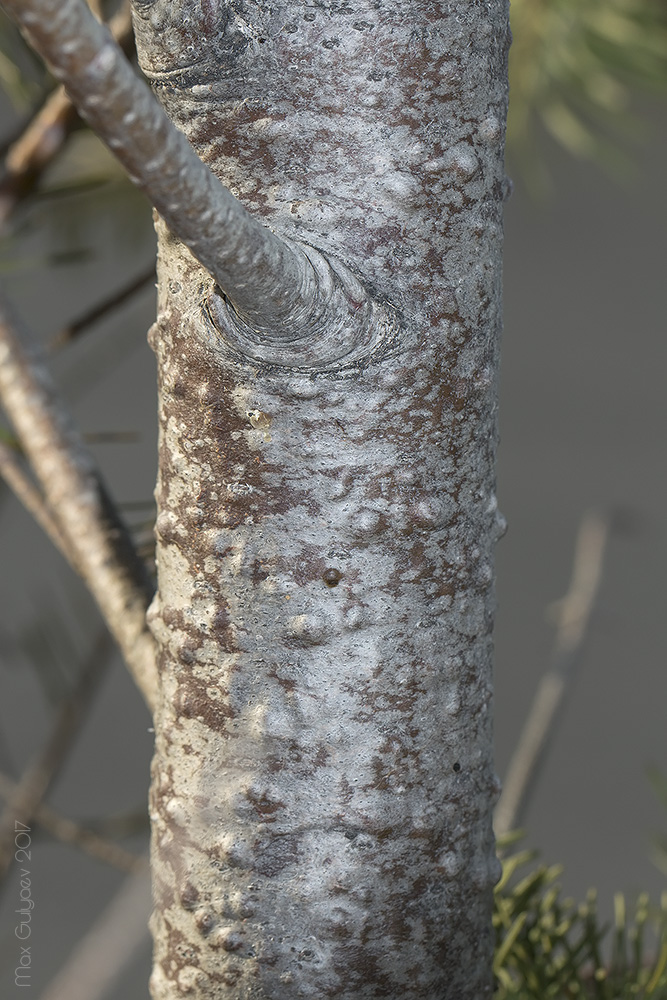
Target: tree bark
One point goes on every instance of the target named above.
(323, 782)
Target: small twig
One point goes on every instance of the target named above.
(103, 953)
(119, 825)
(75, 835)
(103, 551)
(111, 437)
(29, 156)
(22, 805)
(108, 305)
(46, 133)
(574, 615)
(25, 490)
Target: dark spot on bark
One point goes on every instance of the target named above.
(205, 921)
(419, 834)
(259, 572)
(221, 619)
(346, 790)
(331, 43)
(264, 805)
(230, 977)
(275, 764)
(179, 951)
(309, 16)
(273, 856)
(457, 766)
(332, 577)
(340, 930)
(179, 390)
(358, 966)
(193, 702)
(233, 942)
(186, 655)
(189, 896)
(286, 683)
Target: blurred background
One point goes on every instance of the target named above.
(583, 421)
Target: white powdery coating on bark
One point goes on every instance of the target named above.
(323, 781)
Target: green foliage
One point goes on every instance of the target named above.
(573, 67)
(549, 948)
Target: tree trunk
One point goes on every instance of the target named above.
(323, 782)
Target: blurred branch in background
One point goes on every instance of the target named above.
(47, 131)
(76, 835)
(108, 305)
(574, 614)
(28, 493)
(575, 67)
(102, 955)
(103, 550)
(26, 796)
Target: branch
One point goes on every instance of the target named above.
(40, 142)
(74, 834)
(108, 305)
(574, 615)
(28, 157)
(108, 947)
(102, 549)
(27, 795)
(25, 490)
(272, 285)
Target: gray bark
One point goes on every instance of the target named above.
(323, 783)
